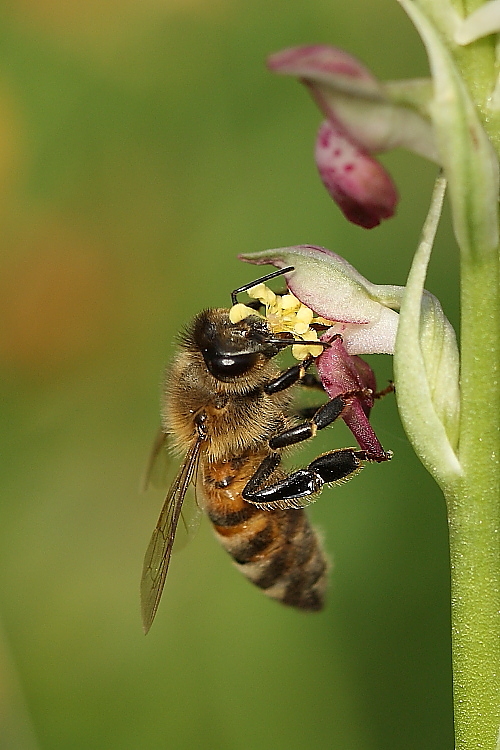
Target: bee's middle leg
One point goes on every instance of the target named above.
(322, 417)
(298, 489)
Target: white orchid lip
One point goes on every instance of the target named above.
(326, 283)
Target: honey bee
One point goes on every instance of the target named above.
(227, 409)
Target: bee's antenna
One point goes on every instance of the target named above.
(259, 281)
(284, 342)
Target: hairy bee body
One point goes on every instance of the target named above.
(277, 550)
(227, 409)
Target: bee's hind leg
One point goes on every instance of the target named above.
(299, 488)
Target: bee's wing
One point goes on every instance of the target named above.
(159, 550)
(156, 469)
(189, 521)
(156, 476)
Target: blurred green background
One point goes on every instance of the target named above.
(142, 146)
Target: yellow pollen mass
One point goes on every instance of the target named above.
(283, 313)
(239, 312)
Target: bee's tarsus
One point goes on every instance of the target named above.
(374, 457)
(391, 388)
(299, 488)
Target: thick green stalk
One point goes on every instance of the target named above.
(474, 506)
(474, 514)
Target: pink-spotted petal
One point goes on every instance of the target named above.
(359, 185)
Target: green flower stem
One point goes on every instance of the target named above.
(478, 66)
(474, 514)
(473, 497)
(474, 504)
(476, 61)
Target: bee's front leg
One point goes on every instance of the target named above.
(299, 488)
(289, 377)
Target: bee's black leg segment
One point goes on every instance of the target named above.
(324, 416)
(264, 471)
(284, 380)
(288, 377)
(329, 412)
(335, 466)
(300, 484)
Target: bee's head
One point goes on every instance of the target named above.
(232, 350)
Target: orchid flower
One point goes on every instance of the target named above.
(339, 371)
(364, 117)
(360, 318)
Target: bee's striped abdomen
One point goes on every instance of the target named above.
(276, 550)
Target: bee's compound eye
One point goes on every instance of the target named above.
(228, 366)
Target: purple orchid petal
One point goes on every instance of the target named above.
(325, 64)
(359, 185)
(342, 373)
(357, 421)
(373, 116)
